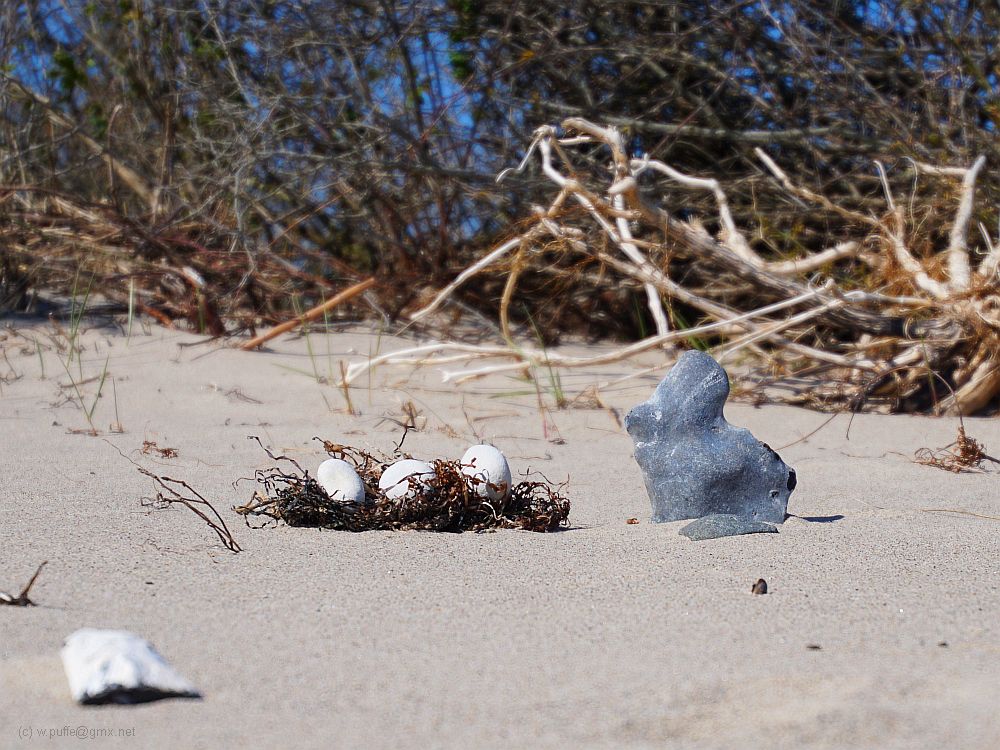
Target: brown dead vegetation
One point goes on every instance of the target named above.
(965, 454)
(175, 273)
(447, 501)
(875, 319)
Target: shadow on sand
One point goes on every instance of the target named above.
(816, 519)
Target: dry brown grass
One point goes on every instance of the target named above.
(965, 454)
(182, 272)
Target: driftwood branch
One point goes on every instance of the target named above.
(879, 344)
(959, 268)
(311, 314)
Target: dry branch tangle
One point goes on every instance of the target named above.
(945, 321)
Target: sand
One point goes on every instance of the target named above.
(606, 635)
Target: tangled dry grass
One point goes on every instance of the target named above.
(447, 501)
(173, 271)
(965, 454)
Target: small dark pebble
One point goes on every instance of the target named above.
(719, 525)
(814, 647)
(760, 587)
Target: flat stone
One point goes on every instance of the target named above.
(724, 524)
(693, 461)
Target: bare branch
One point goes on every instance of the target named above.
(894, 231)
(958, 250)
(849, 249)
(731, 236)
(812, 197)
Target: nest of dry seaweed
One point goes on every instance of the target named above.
(447, 501)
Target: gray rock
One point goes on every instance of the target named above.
(694, 462)
(724, 524)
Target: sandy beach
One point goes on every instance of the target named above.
(881, 627)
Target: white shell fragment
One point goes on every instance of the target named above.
(396, 483)
(115, 666)
(490, 465)
(340, 481)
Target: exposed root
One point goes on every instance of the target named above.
(902, 297)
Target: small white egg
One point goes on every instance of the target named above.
(396, 483)
(340, 481)
(490, 465)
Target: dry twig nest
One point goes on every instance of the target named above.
(447, 500)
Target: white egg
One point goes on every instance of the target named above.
(340, 481)
(490, 465)
(396, 482)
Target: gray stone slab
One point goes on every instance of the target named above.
(724, 524)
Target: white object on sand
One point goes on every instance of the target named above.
(115, 666)
(490, 465)
(340, 481)
(396, 483)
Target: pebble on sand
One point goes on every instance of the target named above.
(490, 465)
(404, 478)
(340, 481)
